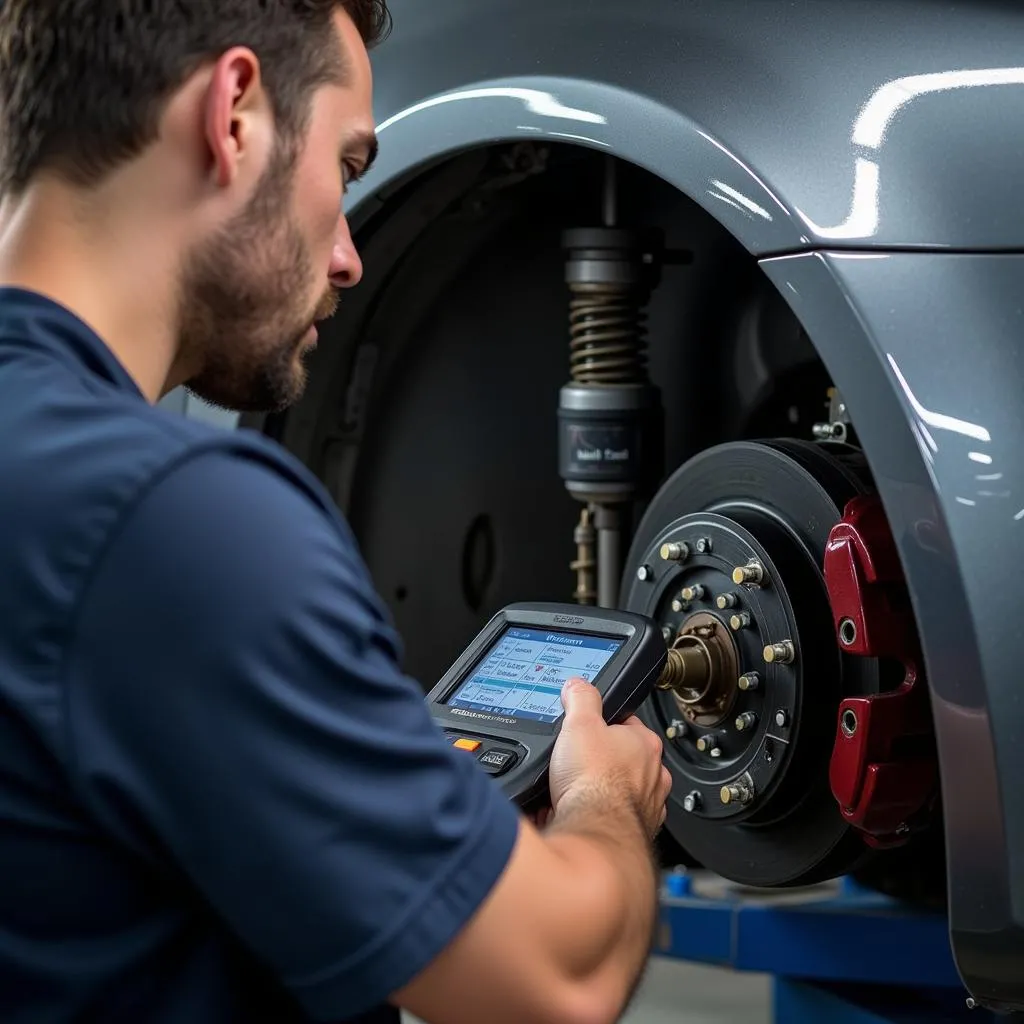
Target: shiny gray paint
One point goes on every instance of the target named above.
(926, 349)
(799, 107)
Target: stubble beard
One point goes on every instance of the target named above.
(242, 313)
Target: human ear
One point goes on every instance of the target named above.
(233, 98)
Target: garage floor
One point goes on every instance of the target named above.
(674, 992)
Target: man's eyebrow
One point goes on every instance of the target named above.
(365, 141)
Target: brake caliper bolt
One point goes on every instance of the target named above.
(739, 621)
(738, 792)
(644, 573)
(726, 601)
(694, 593)
(746, 721)
(782, 718)
(751, 573)
(749, 681)
(691, 802)
(676, 551)
(783, 653)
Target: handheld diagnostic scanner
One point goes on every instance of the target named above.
(501, 700)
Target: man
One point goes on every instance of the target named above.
(220, 799)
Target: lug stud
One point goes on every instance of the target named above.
(676, 551)
(677, 605)
(749, 681)
(782, 653)
(692, 802)
(694, 593)
(709, 745)
(676, 730)
(726, 601)
(739, 621)
(739, 792)
(752, 574)
(746, 721)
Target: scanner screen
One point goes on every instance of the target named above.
(522, 674)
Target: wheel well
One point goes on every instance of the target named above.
(433, 395)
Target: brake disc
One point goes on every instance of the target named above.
(728, 559)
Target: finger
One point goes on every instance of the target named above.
(580, 700)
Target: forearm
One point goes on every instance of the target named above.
(608, 855)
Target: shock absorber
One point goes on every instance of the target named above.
(610, 417)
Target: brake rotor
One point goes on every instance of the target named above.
(728, 559)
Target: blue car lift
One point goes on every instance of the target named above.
(838, 954)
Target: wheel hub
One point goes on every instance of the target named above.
(728, 559)
(730, 731)
(703, 677)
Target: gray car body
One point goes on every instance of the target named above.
(869, 156)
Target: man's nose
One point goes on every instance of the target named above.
(346, 269)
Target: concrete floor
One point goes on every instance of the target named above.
(674, 992)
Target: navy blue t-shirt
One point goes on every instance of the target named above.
(221, 800)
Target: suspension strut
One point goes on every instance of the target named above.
(609, 414)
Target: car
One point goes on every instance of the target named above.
(713, 310)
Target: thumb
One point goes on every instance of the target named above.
(580, 699)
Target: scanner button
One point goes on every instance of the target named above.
(465, 744)
(497, 761)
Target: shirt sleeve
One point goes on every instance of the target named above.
(235, 704)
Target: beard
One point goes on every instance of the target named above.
(242, 315)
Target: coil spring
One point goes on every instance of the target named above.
(607, 336)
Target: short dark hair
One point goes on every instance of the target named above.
(83, 83)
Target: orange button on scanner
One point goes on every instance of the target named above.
(467, 744)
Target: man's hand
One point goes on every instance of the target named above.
(607, 768)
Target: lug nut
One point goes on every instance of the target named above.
(694, 593)
(675, 552)
(703, 545)
(692, 802)
(782, 718)
(782, 653)
(644, 573)
(676, 730)
(739, 621)
(738, 792)
(751, 573)
(746, 721)
(749, 681)
(726, 601)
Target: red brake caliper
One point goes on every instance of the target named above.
(883, 770)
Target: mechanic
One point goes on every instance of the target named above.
(220, 798)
